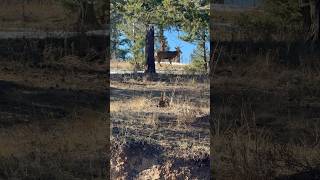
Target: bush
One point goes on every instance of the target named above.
(196, 66)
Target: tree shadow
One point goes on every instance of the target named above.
(168, 78)
(313, 174)
(118, 94)
(24, 104)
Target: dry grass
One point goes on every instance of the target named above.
(126, 65)
(61, 152)
(53, 123)
(136, 105)
(43, 15)
(114, 64)
(240, 154)
(181, 128)
(265, 123)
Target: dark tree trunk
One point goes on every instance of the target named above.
(103, 14)
(315, 20)
(87, 16)
(305, 10)
(149, 50)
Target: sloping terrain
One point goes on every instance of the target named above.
(151, 141)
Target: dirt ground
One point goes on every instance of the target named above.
(152, 142)
(53, 122)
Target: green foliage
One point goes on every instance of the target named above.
(70, 5)
(116, 35)
(138, 49)
(195, 23)
(137, 64)
(185, 15)
(142, 12)
(197, 64)
(284, 12)
(120, 46)
(260, 27)
(280, 19)
(188, 16)
(74, 5)
(135, 16)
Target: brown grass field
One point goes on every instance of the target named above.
(53, 122)
(265, 122)
(151, 142)
(167, 68)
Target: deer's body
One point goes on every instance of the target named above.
(170, 55)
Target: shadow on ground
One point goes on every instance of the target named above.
(22, 104)
(168, 78)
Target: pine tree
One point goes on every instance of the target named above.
(197, 62)
(193, 19)
(138, 18)
(89, 11)
(163, 15)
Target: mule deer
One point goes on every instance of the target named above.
(159, 55)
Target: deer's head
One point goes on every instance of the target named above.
(178, 50)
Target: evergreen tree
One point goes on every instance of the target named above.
(197, 62)
(138, 15)
(193, 18)
(163, 15)
(91, 13)
(120, 44)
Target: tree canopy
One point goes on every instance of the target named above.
(184, 15)
(283, 20)
(91, 13)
